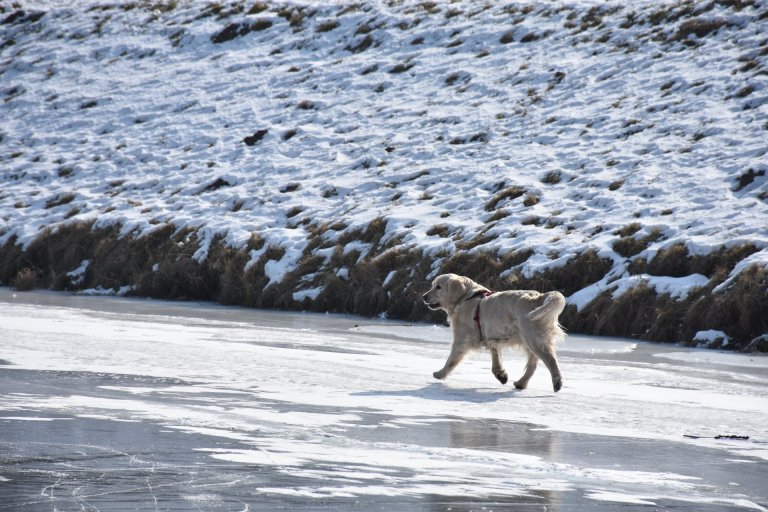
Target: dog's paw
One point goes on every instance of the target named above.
(520, 385)
(557, 384)
(502, 376)
(439, 375)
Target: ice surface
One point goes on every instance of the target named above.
(323, 407)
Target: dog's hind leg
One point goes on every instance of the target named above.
(547, 356)
(496, 365)
(530, 367)
(454, 358)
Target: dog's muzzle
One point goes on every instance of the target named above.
(431, 305)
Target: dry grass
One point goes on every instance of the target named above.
(255, 276)
(675, 261)
(552, 178)
(629, 246)
(721, 261)
(401, 68)
(361, 45)
(699, 27)
(441, 230)
(25, 280)
(56, 252)
(498, 215)
(640, 312)
(747, 178)
(485, 267)
(235, 30)
(12, 260)
(362, 290)
(229, 265)
(629, 229)
(631, 315)
(59, 200)
(327, 26)
(159, 264)
(388, 278)
(739, 310)
(503, 196)
(507, 37)
(579, 272)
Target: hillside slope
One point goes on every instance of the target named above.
(336, 158)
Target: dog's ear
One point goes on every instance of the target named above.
(471, 288)
(461, 284)
(454, 288)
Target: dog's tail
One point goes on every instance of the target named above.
(554, 303)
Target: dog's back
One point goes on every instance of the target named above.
(505, 316)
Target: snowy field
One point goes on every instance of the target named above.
(557, 128)
(118, 404)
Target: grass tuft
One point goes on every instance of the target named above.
(59, 200)
(251, 140)
(327, 26)
(506, 195)
(25, 280)
(552, 178)
(235, 30)
(699, 27)
(361, 45)
(306, 105)
(747, 178)
(629, 245)
(401, 68)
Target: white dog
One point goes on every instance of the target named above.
(480, 318)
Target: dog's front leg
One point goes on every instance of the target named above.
(496, 366)
(458, 351)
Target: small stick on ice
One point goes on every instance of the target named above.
(719, 436)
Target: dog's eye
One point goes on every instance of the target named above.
(437, 287)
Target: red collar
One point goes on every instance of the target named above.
(482, 294)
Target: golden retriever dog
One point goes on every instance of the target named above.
(480, 318)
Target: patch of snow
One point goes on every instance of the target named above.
(77, 276)
(618, 498)
(676, 287)
(710, 336)
(389, 277)
(311, 293)
(275, 270)
(121, 291)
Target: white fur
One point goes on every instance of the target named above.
(519, 318)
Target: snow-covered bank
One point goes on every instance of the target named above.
(320, 407)
(538, 133)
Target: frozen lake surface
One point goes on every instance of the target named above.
(127, 404)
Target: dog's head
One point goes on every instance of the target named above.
(448, 290)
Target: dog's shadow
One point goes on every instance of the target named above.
(440, 391)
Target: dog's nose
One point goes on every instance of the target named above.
(425, 296)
